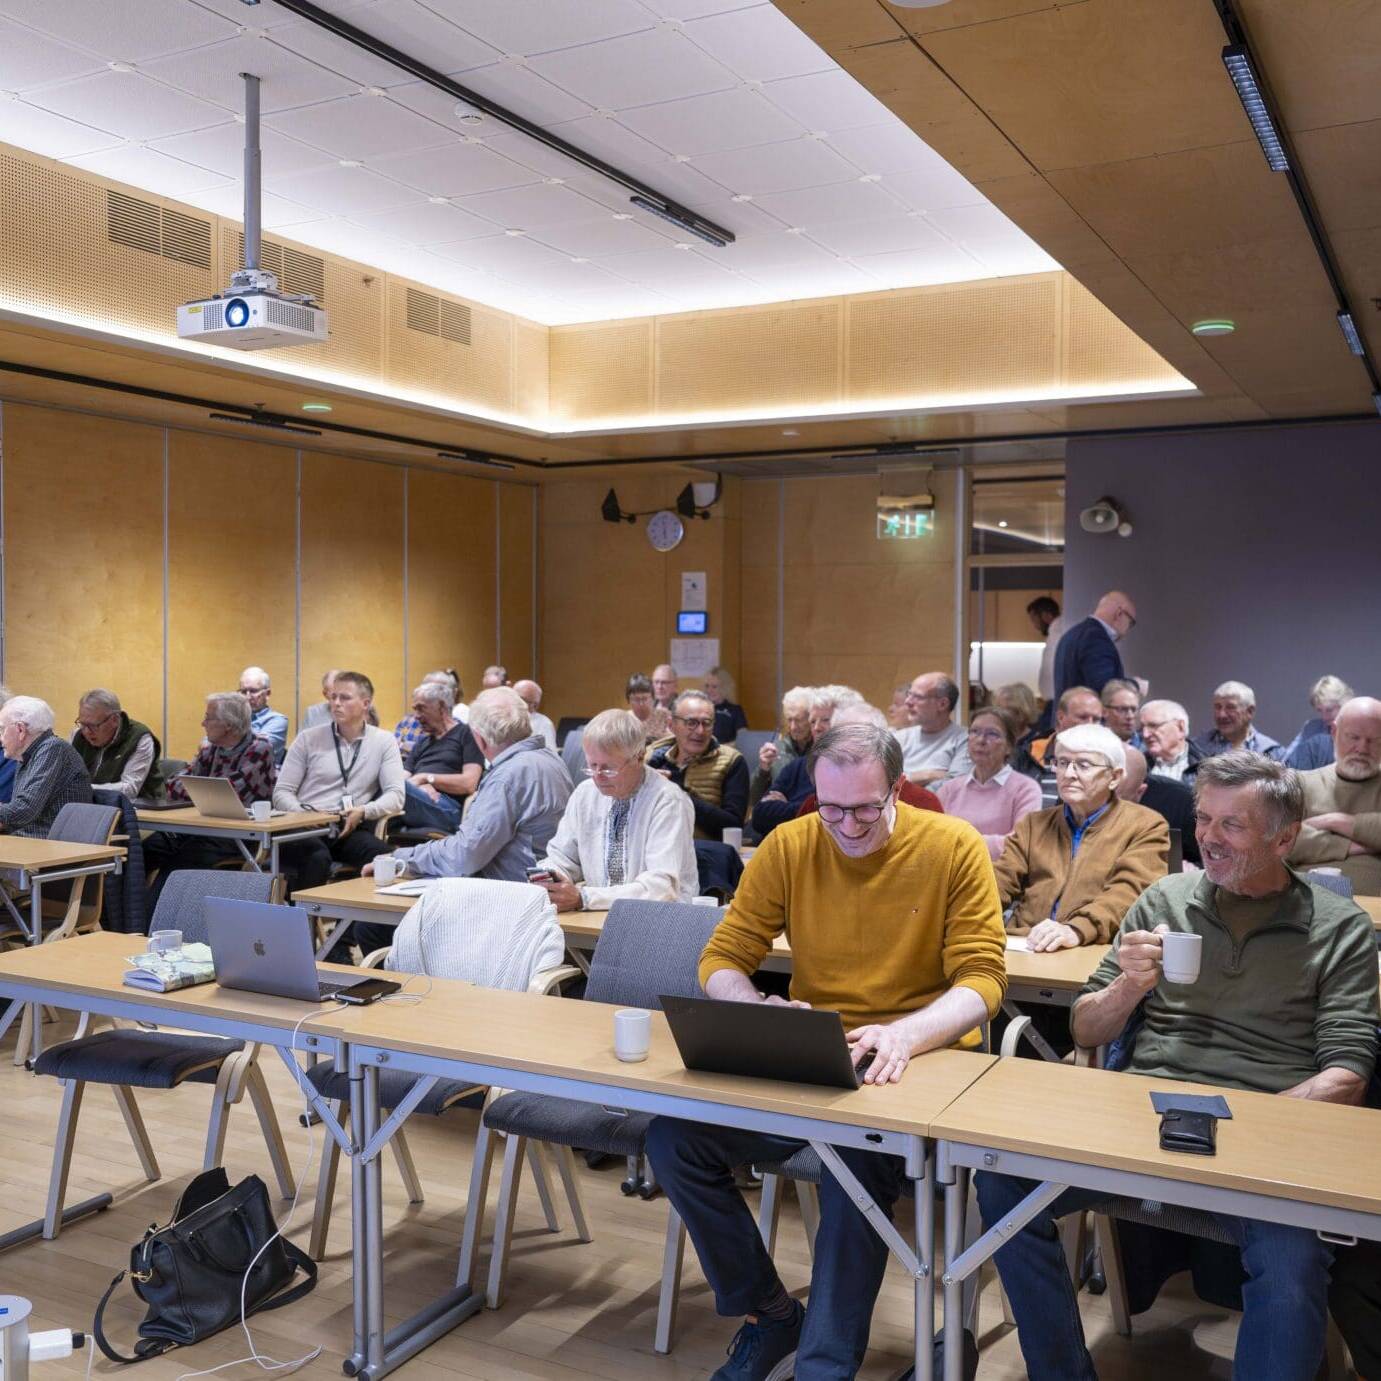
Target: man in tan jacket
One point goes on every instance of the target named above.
(1070, 873)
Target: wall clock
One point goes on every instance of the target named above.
(665, 530)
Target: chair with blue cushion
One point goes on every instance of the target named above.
(141, 1058)
(646, 949)
(573, 755)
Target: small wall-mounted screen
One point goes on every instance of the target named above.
(692, 621)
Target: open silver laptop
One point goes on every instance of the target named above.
(268, 949)
(214, 796)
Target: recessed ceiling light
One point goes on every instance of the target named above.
(871, 177)
(554, 181)
(794, 230)
(579, 259)
(9, 95)
(350, 163)
(605, 114)
(817, 134)
(316, 407)
(439, 201)
(790, 431)
(120, 66)
(681, 158)
(1214, 326)
(741, 196)
(683, 244)
(622, 216)
(1002, 522)
(467, 114)
(515, 233)
(374, 91)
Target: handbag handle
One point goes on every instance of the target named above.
(199, 1244)
(144, 1348)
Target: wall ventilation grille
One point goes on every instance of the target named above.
(435, 316)
(146, 226)
(296, 272)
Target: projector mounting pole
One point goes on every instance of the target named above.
(252, 170)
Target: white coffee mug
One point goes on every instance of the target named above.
(164, 941)
(261, 810)
(632, 1034)
(1181, 955)
(704, 901)
(734, 838)
(385, 870)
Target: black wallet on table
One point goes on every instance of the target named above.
(1195, 1133)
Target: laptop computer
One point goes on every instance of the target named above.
(214, 796)
(268, 949)
(762, 1041)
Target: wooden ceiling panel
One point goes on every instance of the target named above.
(1049, 219)
(839, 25)
(1359, 257)
(1343, 166)
(1101, 82)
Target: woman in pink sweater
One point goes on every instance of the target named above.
(994, 796)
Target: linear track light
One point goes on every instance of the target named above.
(1351, 333)
(691, 224)
(1239, 64)
(272, 423)
(470, 458)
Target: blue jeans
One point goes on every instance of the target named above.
(420, 812)
(1285, 1296)
(694, 1164)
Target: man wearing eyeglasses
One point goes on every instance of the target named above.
(1087, 655)
(119, 753)
(1071, 872)
(713, 774)
(934, 748)
(894, 922)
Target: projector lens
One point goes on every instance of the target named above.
(236, 312)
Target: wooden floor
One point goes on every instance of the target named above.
(573, 1310)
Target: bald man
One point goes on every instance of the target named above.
(1087, 654)
(1342, 802)
(1171, 800)
(531, 694)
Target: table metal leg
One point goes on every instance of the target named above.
(358, 1250)
(36, 938)
(922, 1178)
(956, 1182)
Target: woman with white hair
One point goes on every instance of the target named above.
(1070, 873)
(627, 832)
(791, 743)
(1313, 745)
(793, 786)
(729, 717)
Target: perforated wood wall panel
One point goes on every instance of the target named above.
(784, 355)
(1099, 351)
(531, 369)
(602, 370)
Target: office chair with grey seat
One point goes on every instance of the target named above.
(129, 1059)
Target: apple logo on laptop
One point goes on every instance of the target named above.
(259, 948)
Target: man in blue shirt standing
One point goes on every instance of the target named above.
(267, 723)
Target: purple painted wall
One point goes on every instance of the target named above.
(1256, 557)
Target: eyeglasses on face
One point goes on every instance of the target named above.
(865, 815)
(91, 728)
(1080, 767)
(694, 723)
(607, 774)
(987, 735)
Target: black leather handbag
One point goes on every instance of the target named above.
(191, 1272)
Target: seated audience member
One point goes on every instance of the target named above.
(1019, 701)
(897, 717)
(791, 743)
(1172, 800)
(1121, 700)
(1165, 740)
(1070, 873)
(348, 766)
(119, 753)
(1342, 801)
(1313, 745)
(531, 694)
(793, 786)
(320, 713)
(1234, 707)
(1291, 1013)
(713, 774)
(50, 774)
(408, 729)
(444, 764)
(655, 720)
(991, 796)
(231, 749)
(627, 830)
(263, 721)
(8, 766)
(1035, 759)
(494, 676)
(860, 712)
(933, 746)
(1087, 654)
(894, 922)
(729, 717)
(666, 686)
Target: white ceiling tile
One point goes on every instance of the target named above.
(222, 149)
(934, 189)
(780, 167)
(609, 304)
(360, 127)
(890, 147)
(836, 201)
(531, 207)
(425, 33)
(517, 87)
(668, 270)
(506, 255)
(28, 127)
(828, 101)
(708, 124)
(696, 9)
(917, 268)
(275, 212)
(566, 277)
(127, 30)
(213, 74)
(454, 170)
(333, 54)
(775, 250)
(142, 167)
(971, 222)
(744, 218)
(1009, 254)
(638, 69)
(761, 44)
(426, 224)
(344, 191)
(603, 235)
(791, 282)
(524, 27)
(29, 59)
(265, 16)
(350, 241)
(879, 235)
(138, 108)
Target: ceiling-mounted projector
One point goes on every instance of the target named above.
(252, 314)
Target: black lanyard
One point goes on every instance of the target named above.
(340, 757)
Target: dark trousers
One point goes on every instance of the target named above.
(168, 852)
(1284, 1294)
(308, 862)
(1355, 1299)
(694, 1165)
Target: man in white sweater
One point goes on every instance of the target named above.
(346, 766)
(627, 832)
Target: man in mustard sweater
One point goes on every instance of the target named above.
(893, 920)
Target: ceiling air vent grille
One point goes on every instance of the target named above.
(435, 316)
(146, 226)
(186, 239)
(296, 272)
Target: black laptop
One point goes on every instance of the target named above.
(764, 1041)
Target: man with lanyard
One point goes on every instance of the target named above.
(348, 767)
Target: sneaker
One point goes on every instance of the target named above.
(970, 1358)
(764, 1351)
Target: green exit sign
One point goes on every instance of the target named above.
(904, 526)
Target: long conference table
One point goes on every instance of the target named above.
(268, 836)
